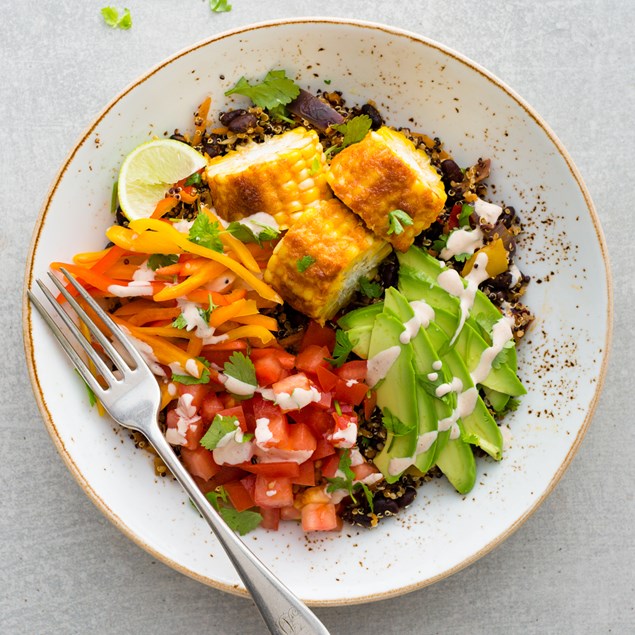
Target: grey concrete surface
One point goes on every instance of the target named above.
(65, 569)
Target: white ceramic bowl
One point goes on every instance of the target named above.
(427, 87)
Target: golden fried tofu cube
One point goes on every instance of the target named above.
(281, 176)
(317, 265)
(382, 173)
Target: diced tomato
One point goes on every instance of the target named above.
(289, 384)
(227, 474)
(313, 495)
(326, 378)
(269, 370)
(194, 434)
(363, 470)
(218, 357)
(290, 513)
(348, 392)
(369, 404)
(279, 429)
(264, 409)
(326, 401)
(198, 392)
(319, 517)
(270, 518)
(300, 438)
(306, 476)
(273, 492)
(236, 411)
(239, 497)
(287, 469)
(249, 483)
(353, 370)
(286, 360)
(210, 407)
(319, 336)
(319, 420)
(311, 358)
(330, 466)
(323, 449)
(453, 220)
(199, 462)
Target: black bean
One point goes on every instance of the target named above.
(243, 123)
(373, 113)
(227, 117)
(212, 147)
(178, 137)
(385, 506)
(451, 171)
(389, 272)
(409, 495)
(120, 218)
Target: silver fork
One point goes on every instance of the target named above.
(132, 398)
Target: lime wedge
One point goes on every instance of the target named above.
(150, 170)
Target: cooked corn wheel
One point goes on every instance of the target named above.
(282, 177)
(385, 172)
(316, 267)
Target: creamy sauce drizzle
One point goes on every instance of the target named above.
(423, 315)
(462, 241)
(489, 212)
(380, 364)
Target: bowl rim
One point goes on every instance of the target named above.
(241, 30)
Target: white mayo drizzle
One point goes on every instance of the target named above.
(423, 315)
(437, 365)
(424, 443)
(187, 418)
(236, 386)
(131, 290)
(143, 273)
(299, 398)
(194, 321)
(451, 281)
(433, 376)
(232, 449)
(263, 434)
(456, 385)
(380, 364)
(462, 241)
(345, 438)
(487, 211)
(501, 334)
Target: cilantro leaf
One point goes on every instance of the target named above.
(241, 522)
(368, 494)
(462, 257)
(242, 368)
(502, 357)
(114, 198)
(394, 425)
(275, 90)
(206, 233)
(346, 481)
(304, 263)
(368, 288)
(280, 112)
(464, 216)
(180, 322)
(342, 349)
(353, 130)
(396, 220)
(440, 243)
(188, 380)
(194, 179)
(219, 6)
(246, 234)
(156, 261)
(221, 426)
(315, 166)
(114, 21)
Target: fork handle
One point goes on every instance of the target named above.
(282, 611)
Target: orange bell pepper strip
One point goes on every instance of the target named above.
(164, 206)
(151, 315)
(89, 258)
(222, 314)
(166, 397)
(108, 260)
(167, 331)
(142, 242)
(194, 347)
(265, 321)
(134, 306)
(257, 332)
(97, 280)
(208, 272)
(184, 244)
(219, 299)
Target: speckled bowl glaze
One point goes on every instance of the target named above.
(424, 86)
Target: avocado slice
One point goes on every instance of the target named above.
(457, 463)
(359, 324)
(498, 400)
(396, 393)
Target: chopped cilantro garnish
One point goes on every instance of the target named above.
(368, 288)
(336, 405)
(246, 234)
(194, 179)
(240, 522)
(219, 6)
(396, 220)
(462, 257)
(354, 131)
(180, 322)
(206, 233)
(440, 243)
(240, 367)
(275, 90)
(368, 494)
(394, 425)
(346, 482)
(502, 356)
(342, 349)
(327, 81)
(188, 380)
(156, 261)
(304, 263)
(114, 20)
(315, 166)
(221, 426)
(464, 216)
